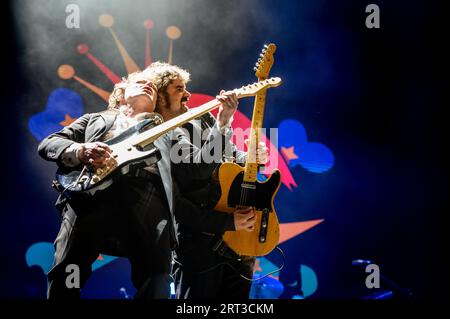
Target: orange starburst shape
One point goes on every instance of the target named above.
(67, 71)
(289, 230)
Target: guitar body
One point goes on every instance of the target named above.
(84, 179)
(263, 239)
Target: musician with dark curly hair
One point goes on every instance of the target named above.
(133, 217)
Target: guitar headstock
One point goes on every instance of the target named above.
(265, 61)
(253, 89)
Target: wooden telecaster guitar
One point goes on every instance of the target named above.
(134, 149)
(240, 187)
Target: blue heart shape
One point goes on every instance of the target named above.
(61, 102)
(312, 156)
(41, 254)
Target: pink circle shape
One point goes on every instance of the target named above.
(82, 48)
(149, 24)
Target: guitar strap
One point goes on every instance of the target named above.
(218, 245)
(222, 249)
(225, 251)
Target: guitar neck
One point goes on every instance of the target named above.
(251, 165)
(149, 136)
(152, 134)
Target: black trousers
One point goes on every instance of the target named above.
(209, 275)
(130, 218)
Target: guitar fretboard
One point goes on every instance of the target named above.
(149, 136)
(152, 134)
(251, 166)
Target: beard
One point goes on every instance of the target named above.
(166, 108)
(162, 107)
(184, 108)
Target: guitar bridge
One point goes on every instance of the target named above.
(102, 172)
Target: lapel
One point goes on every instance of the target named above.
(109, 117)
(163, 144)
(98, 124)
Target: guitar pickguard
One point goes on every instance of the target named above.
(77, 180)
(258, 195)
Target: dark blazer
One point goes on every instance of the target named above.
(89, 128)
(198, 192)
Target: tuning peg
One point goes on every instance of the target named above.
(261, 55)
(255, 69)
(259, 60)
(266, 46)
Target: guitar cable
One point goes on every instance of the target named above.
(74, 182)
(243, 276)
(269, 273)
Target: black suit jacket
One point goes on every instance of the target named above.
(198, 192)
(89, 128)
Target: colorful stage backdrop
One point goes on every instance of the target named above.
(354, 129)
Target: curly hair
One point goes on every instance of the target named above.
(116, 99)
(159, 73)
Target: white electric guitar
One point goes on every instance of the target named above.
(134, 149)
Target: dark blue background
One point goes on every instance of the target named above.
(371, 95)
